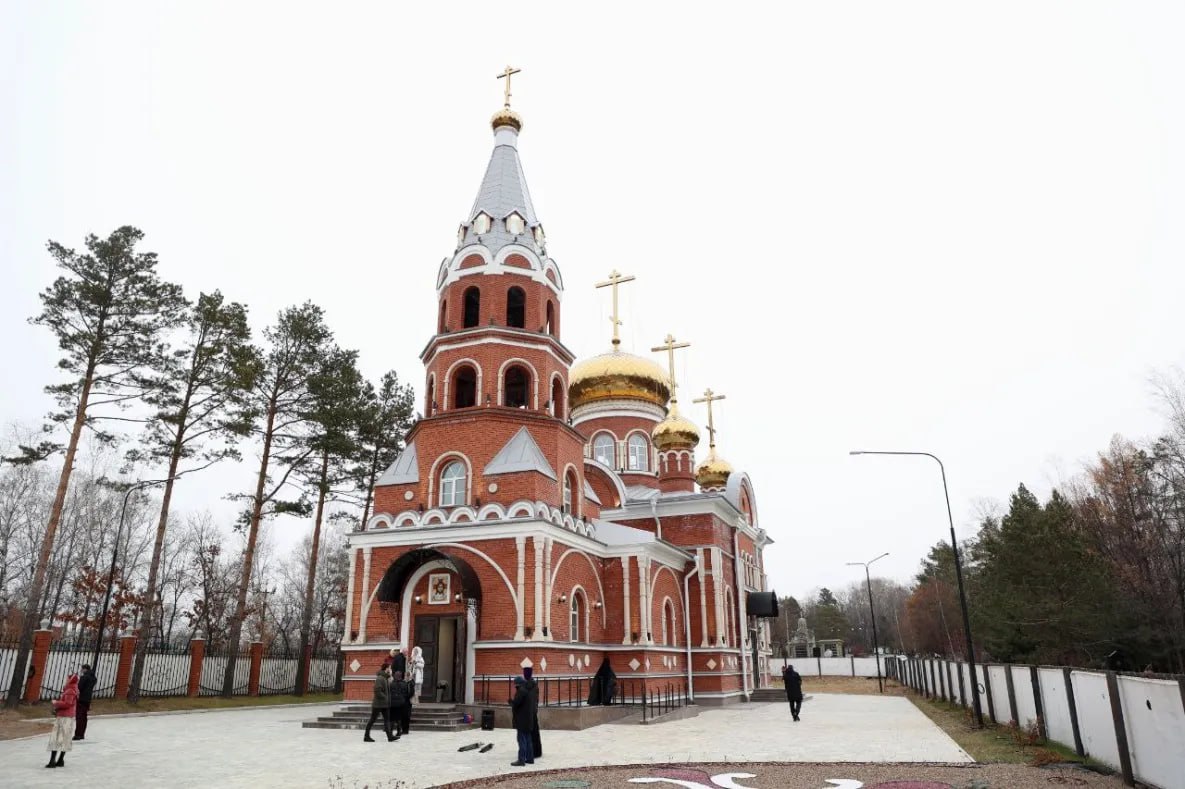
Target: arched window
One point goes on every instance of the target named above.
(465, 387)
(728, 621)
(452, 485)
(472, 307)
(443, 316)
(549, 327)
(576, 617)
(516, 308)
(603, 446)
(669, 633)
(557, 398)
(639, 453)
(430, 399)
(569, 493)
(516, 387)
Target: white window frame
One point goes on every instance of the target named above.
(602, 439)
(637, 454)
(574, 612)
(452, 488)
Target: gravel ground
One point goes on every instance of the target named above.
(769, 775)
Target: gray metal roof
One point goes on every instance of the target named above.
(521, 453)
(503, 190)
(405, 469)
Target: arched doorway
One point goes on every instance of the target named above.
(438, 599)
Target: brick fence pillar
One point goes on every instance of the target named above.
(197, 654)
(37, 661)
(256, 666)
(307, 658)
(123, 674)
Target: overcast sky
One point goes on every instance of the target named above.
(921, 226)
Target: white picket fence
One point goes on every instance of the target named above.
(1135, 724)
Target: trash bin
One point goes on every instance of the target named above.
(487, 720)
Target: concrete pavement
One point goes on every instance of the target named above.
(266, 747)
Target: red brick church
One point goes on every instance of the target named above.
(547, 512)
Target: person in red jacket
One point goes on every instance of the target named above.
(63, 726)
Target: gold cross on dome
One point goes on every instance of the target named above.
(506, 76)
(709, 398)
(670, 346)
(614, 280)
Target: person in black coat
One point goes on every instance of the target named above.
(533, 687)
(604, 685)
(793, 682)
(523, 718)
(400, 709)
(86, 690)
(380, 704)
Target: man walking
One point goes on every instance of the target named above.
(86, 689)
(380, 704)
(793, 681)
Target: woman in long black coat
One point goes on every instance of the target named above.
(604, 685)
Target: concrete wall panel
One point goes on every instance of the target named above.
(999, 682)
(1026, 706)
(1155, 722)
(1056, 706)
(1094, 717)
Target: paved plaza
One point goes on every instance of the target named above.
(266, 747)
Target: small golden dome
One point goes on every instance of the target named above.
(617, 375)
(713, 472)
(507, 117)
(675, 432)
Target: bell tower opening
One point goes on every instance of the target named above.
(465, 387)
(516, 387)
(516, 308)
(472, 307)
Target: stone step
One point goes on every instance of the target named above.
(415, 714)
(360, 725)
(428, 722)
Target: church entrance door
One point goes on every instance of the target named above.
(442, 640)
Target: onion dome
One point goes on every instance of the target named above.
(616, 376)
(675, 432)
(713, 472)
(506, 117)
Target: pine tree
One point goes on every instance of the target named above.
(388, 415)
(199, 402)
(334, 416)
(108, 312)
(298, 344)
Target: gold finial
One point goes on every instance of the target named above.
(614, 280)
(506, 76)
(669, 345)
(709, 398)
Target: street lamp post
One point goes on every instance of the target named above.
(954, 546)
(872, 612)
(123, 510)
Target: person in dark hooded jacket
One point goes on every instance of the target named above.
(400, 706)
(523, 718)
(604, 685)
(86, 688)
(793, 682)
(380, 703)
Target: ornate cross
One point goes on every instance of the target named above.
(506, 76)
(709, 398)
(614, 280)
(669, 345)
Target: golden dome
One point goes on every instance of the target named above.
(617, 375)
(675, 432)
(507, 117)
(713, 472)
